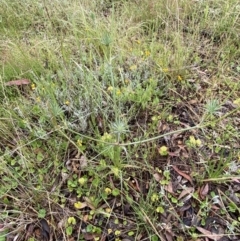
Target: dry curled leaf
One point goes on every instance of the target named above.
(89, 203)
(61, 223)
(45, 230)
(187, 191)
(29, 230)
(83, 161)
(204, 191)
(183, 174)
(134, 184)
(89, 236)
(157, 177)
(210, 235)
(40, 230)
(169, 188)
(18, 82)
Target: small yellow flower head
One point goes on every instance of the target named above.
(154, 197)
(198, 142)
(108, 190)
(82, 180)
(118, 92)
(237, 102)
(115, 171)
(108, 210)
(33, 86)
(38, 99)
(147, 53)
(79, 142)
(79, 205)
(117, 232)
(192, 140)
(133, 67)
(170, 118)
(109, 230)
(179, 78)
(154, 118)
(163, 151)
(106, 137)
(138, 41)
(159, 210)
(110, 89)
(71, 220)
(127, 81)
(67, 102)
(165, 70)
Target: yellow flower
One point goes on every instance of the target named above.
(109, 230)
(118, 92)
(163, 151)
(79, 205)
(108, 210)
(33, 86)
(106, 136)
(133, 67)
(147, 53)
(237, 102)
(110, 89)
(67, 102)
(79, 143)
(117, 232)
(159, 210)
(154, 118)
(38, 99)
(165, 70)
(154, 197)
(71, 220)
(82, 180)
(108, 190)
(115, 171)
(198, 142)
(127, 81)
(192, 140)
(179, 78)
(170, 118)
(138, 41)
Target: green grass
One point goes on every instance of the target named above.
(129, 127)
